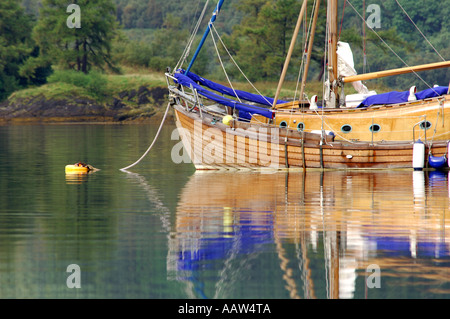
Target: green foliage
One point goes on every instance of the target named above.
(154, 14)
(16, 46)
(402, 37)
(263, 37)
(257, 33)
(94, 82)
(77, 48)
(156, 51)
(132, 53)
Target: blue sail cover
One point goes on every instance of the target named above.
(228, 91)
(401, 97)
(245, 110)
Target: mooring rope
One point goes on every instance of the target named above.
(154, 140)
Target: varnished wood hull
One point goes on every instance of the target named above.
(211, 144)
(395, 122)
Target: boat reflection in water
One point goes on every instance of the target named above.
(317, 233)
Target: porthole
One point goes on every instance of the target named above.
(283, 124)
(346, 128)
(375, 128)
(300, 127)
(425, 125)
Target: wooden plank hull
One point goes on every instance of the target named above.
(210, 144)
(395, 122)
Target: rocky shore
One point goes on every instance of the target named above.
(145, 104)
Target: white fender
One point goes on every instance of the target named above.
(418, 155)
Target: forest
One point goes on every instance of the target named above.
(152, 34)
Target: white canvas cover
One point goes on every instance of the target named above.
(346, 66)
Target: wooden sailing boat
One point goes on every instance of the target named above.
(363, 131)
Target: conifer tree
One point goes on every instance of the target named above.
(15, 45)
(79, 47)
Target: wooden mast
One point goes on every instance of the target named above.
(291, 49)
(310, 45)
(332, 51)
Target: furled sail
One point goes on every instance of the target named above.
(265, 100)
(245, 110)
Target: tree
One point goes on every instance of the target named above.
(15, 46)
(402, 37)
(75, 48)
(264, 35)
(167, 50)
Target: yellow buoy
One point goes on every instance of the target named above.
(227, 119)
(77, 168)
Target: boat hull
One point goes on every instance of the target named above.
(210, 144)
(396, 122)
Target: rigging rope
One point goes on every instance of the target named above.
(307, 35)
(235, 63)
(154, 140)
(223, 67)
(399, 56)
(187, 49)
(364, 38)
(392, 50)
(342, 20)
(423, 35)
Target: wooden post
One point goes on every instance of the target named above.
(332, 47)
(291, 49)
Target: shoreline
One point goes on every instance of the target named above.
(155, 119)
(145, 104)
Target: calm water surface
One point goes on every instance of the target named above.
(165, 231)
